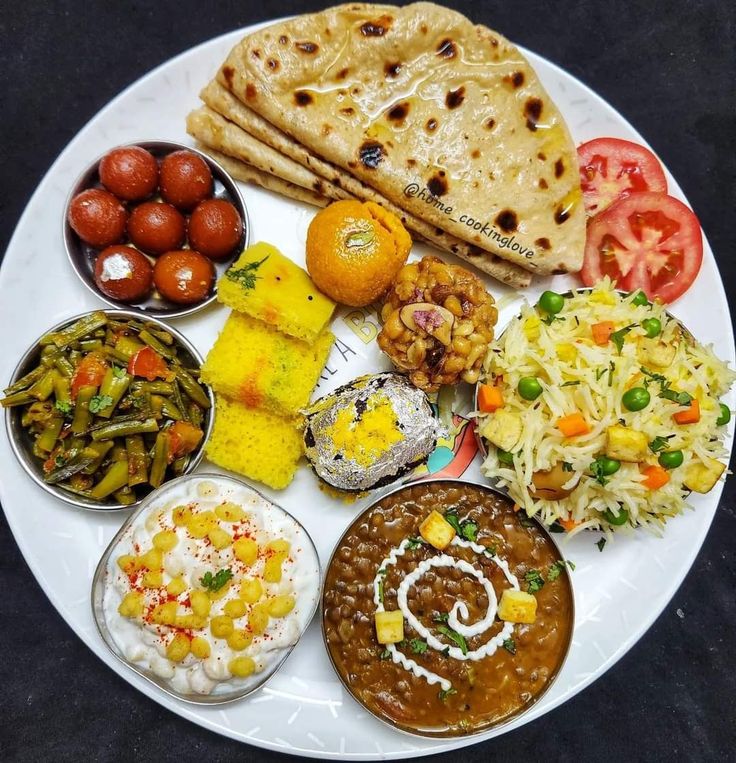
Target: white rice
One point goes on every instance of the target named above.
(521, 351)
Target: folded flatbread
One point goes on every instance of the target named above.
(212, 129)
(445, 119)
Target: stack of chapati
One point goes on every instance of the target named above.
(443, 122)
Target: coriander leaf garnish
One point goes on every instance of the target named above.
(491, 550)
(246, 276)
(597, 468)
(418, 646)
(118, 372)
(567, 466)
(453, 520)
(99, 403)
(385, 654)
(555, 569)
(611, 369)
(534, 580)
(414, 543)
(445, 693)
(665, 389)
(510, 645)
(63, 407)
(599, 373)
(618, 336)
(217, 581)
(455, 637)
(660, 443)
(601, 543)
(570, 384)
(380, 590)
(467, 529)
(441, 618)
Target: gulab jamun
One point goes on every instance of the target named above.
(185, 179)
(183, 276)
(215, 228)
(123, 273)
(156, 227)
(130, 172)
(97, 217)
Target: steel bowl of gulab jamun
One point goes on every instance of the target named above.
(150, 226)
(445, 612)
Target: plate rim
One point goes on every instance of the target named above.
(184, 711)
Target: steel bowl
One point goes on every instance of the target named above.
(82, 256)
(454, 734)
(22, 443)
(103, 571)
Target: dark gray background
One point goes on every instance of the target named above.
(668, 66)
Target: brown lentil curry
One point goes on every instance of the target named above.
(484, 692)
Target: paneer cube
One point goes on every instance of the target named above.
(390, 627)
(517, 607)
(702, 477)
(655, 352)
(503, 429)
(625, 444)
(437, 531)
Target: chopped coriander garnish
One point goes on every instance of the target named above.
(510, 646)
(418, 646)
(534, 580)
(380, 590)
(659, 443)
(414, 543)
(555, 569)
(570, 384)
(665, 390)
(445, 693)
(618, 336)
(455, 637)
(217, 581)
(246, 276)
(567, 466)
(99, 403)
(63, 407)
(441, 618)
(491, 550)
(118, 372)
(611, 369)
(467, 529)
(601, 543)
(599, 373)
(556, 527)
(385, 654)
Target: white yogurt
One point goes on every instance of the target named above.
(144, 643)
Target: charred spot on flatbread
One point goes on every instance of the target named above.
(283, 40)
(348, 111)
(326, 130)
(542, 156)
(256, 53)
(543, 243)
(516, 79)
(455, 97)
(559, 168)
(559, 271)
(250, 92)
(447, 48)
(411, 163)
(507, 221)
(310, 48)
(475, 153)
(371, 153)
(376, 28)
(391, 69)
(302, 98)
(532, 112)
(273, 64)
(431, 125)
(228, 73)
(562, 213)
(437, 184)
(318, 186)
(543, 184)
(398, 112)
(343, 73)
(490, 123)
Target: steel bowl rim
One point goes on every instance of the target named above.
(26, 462)
(79, 185)
(487, 729)
(97, 590)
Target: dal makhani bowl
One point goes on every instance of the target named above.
(444, 612)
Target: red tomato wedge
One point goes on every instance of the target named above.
(89, 373)
(183, 439)
(647, 241)
(148, 364)
(611, 169)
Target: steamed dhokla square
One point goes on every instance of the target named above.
(255, 443)
(263, 368)
(266, 285)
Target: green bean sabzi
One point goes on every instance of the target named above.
(111, 408)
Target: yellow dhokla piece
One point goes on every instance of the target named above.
(259, 366)
(254, 443)
(266, 285)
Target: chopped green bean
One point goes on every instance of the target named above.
(101, 449)
(69, 464)
(125, 496)
(124, 429)
(46, 441)
(116, 478)
(160, 334)
(25, 381)
(155, 387)
(62, 389)
(126, 347)
(64, 367)
(114, 385)
(167, 352)
(82, 328)
(191, 387)
(137, 460)
(179, 400)
(160, 459)
(166, 407)
(43, 388)
(82, 417)
(90, 345)
(18, 398)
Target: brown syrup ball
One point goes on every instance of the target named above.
(97, 217)
(123, 273)
(156, 227)
(185, 179)
(130, 172)
(215, 228)
(183, 276)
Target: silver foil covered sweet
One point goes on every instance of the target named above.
(343, 432)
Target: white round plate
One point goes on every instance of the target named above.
(304, 708)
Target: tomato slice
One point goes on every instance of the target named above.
(183, 439)
(148, 364)
(647, 241)
(611, 169)
(89, 373)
